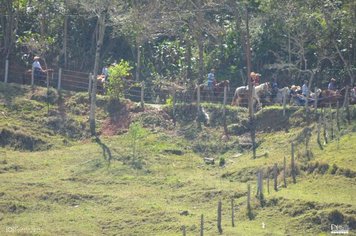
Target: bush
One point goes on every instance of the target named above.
(336, 217)
(117, 73)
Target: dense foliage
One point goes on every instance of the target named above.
(181, 40)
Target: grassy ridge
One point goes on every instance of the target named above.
(95, 187)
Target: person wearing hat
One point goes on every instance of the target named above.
(38, 72)
(254, 78)
(296, 97)
(332, 85)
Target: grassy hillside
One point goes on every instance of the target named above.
(151, 179)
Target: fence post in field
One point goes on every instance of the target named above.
(32, 76)
(183, 230)
(275, 173)
(142, 94)
(224, 110)
(174, 106)
(284, 172)
(224, 102)
(249, 210)
(293, 170)
(268, 170)
(338, 116)
(316, 100)
(59, 79)
(284, 101)
(346, 105)
(332, 124)
(90, 83)
(6, 70)
(318, 135)
(219, 217)
(325, 130)
(260, 187)
(202, 225)
(232, 213)
(198, 100)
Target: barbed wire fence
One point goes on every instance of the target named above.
(136, 91)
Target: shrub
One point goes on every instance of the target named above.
(336, 217)
(115, 87)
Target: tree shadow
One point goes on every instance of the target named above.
(106, 150)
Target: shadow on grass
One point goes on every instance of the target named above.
(106, 150)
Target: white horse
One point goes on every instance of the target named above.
(280, 95)
(257, 91)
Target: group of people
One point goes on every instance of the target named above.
(254, 77)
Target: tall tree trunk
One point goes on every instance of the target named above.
(101, 32)
(10, 28)
(188, 58)
(250, 87)
(65, 40)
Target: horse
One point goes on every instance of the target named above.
(217, 90)
(279, 97)
(330, 97)
(257, 92)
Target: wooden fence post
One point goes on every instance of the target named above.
(284, 101)
(346, 105)
(325, 130)
(59, 79)
(332, 124)
(338, 116)
(260, 187)
(224, 111)
(202, 225)
(224, 101)
(219, 217)
(249, 210)
(293, 170)
(318, 135)
(6, 70)
(142, 94)
(268, 170)
(198, 100)
(90, 83)
(232, 213)
(316, 99)
(275, 173)
(183, 230)
(284, 172)
(174, 106)
(32, 76)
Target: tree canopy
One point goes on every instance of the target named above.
(181, 40)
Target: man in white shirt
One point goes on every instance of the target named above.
(39, 73)
(305, 89)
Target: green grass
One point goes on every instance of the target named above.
(72, 189)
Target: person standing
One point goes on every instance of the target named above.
(38, 72)
(105, 72)
(211, 79)
(332, 85)
(305, 89)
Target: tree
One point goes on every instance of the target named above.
(102, 10)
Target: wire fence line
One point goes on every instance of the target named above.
(80, 81)
(139, 92)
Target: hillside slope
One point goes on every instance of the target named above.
(152, 180)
